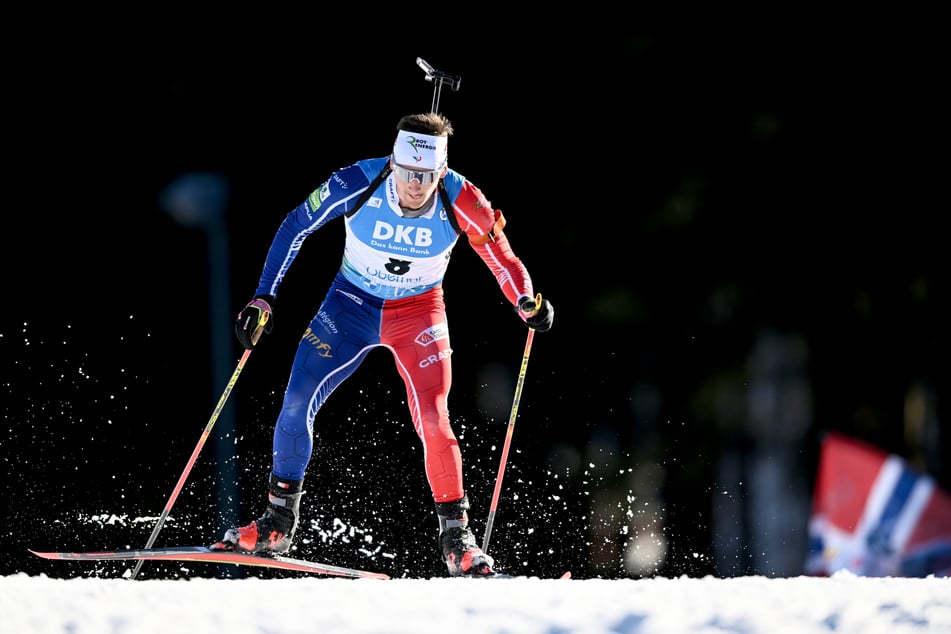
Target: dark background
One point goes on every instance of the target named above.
(737, 213)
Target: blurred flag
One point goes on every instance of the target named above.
(875, 516)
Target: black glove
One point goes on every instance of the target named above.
(538, 313)
(253, 320)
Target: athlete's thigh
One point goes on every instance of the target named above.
(335, 342)
(418, 334)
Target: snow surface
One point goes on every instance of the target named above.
(843, 603)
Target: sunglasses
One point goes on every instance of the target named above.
(425, 177)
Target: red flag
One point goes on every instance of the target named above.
(875, 516)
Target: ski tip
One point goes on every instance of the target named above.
(566, 575)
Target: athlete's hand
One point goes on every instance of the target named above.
(255, 319)
(538, 313)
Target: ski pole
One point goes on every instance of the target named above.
(194, 457)
(508, 435)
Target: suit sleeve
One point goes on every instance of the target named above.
(331, 200)
(483, 226)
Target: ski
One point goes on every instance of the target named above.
(503, 575)
(210, 555)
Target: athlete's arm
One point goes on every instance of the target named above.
(483, 225)
(332, 199)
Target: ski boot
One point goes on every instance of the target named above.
(273, 532)
(459, 548)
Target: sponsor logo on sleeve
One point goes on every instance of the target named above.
(318, 196)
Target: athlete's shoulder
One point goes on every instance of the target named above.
(345, 181)
(357, 175)
(372, 167)
(464, 195)
(472, 209)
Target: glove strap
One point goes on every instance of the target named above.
(264, 308)
(534, 311)
(264, 314)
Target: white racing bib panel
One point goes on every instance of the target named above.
(391, 256)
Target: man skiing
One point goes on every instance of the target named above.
(403, 214)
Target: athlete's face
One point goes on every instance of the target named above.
(415, 187)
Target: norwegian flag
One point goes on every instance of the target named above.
(875, 516)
